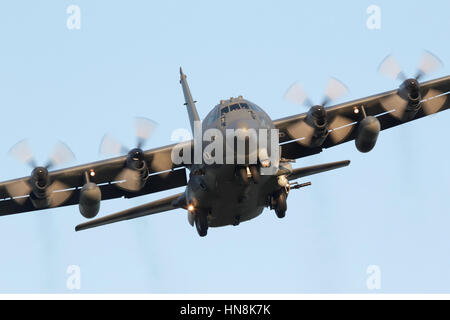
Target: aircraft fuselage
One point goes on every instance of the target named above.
(219, 189)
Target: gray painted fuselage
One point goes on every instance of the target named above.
(217, 188)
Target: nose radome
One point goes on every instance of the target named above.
(244, 125)
(243, 131)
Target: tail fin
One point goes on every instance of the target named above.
(189, 102)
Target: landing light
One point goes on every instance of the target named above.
(356, 110)
(265, 163)
(92, 173)
(190, 208)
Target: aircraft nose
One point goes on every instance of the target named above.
(243, 128)
(245, 135)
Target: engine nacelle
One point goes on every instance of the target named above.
(39, 183)
(90, 197)
(410, 91)
(367, 134)
(317, 119)
(137, 163)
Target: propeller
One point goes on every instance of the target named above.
(39, 182)
(318, 120)
(131, 175)
(409, 95)
(144, 128)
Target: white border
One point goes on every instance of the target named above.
(212, 297)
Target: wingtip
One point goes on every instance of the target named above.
(345, 163)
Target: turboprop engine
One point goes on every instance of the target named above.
(410, 96)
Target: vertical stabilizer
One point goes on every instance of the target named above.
(189, 102)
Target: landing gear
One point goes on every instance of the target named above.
(244, 175)
(281, 205)
(254, 170)
(201, 223)
(249, 171)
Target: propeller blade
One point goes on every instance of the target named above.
(296, 95)
(394, 102)
(433, 101)
(428, 64)
(301, 130)
(110, 146)
(130, 180)
(144, 130)
(335, 90)
(61, 155)
(18, 191)
(390, 68)
(21, 151)
(55, 194)
(341, 128)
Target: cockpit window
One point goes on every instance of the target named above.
(235, 107)
(223, 111)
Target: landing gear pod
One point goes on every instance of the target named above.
(90, 196)
(201, 222)
(367, 135)
(191, 218)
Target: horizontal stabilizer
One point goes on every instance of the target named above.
(157, 206)
(307, 171)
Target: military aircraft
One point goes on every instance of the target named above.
(219, 194)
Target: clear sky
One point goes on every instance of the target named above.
(389, 208)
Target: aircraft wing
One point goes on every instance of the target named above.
(157, 206)
(291, 149)
(164, 175)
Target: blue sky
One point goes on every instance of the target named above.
(389, 208)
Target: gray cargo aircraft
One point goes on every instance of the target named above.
(219, 194)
